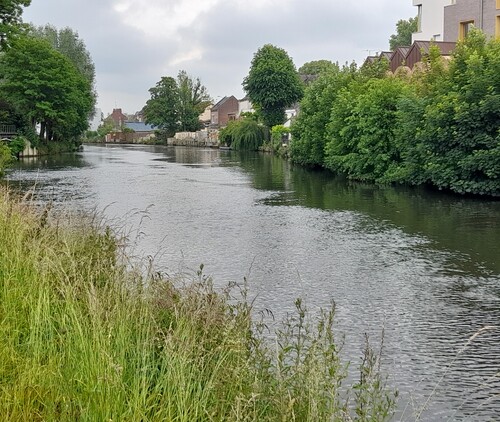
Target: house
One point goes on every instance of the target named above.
(462, 15)
(131, 133)
(430, 20)
(206, 116)
(244, 106)
(421, 48)
(398, 57)
(117, 117)
(224, 111)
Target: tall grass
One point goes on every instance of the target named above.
(82, 338)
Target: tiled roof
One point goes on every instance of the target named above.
(139, 126)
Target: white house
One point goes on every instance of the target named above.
(430, 19)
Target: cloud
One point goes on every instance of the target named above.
(135, 42)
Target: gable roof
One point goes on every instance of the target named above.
(403, 50)
(221, 102)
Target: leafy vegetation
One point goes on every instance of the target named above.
(46, 88)
(10, 20)
(272, 84)
(404, 31)
(244, 134)
(176, 104)
(82, 338)
(436, 125)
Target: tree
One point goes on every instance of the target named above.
(404, 30)
(44, 86)
(309, 134)
(193, 99)
(10, 19)
(162, 109)
(310, 71)
(273, 84)
(67, 42)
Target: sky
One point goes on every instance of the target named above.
(133, 43)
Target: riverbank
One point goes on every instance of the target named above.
(83, 336)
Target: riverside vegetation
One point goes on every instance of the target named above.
(437, 125)
(85, 337)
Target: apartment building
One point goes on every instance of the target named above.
(430, 20)
(462, 15)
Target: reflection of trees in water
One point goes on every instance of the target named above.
(468, 225)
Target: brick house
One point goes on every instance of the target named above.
(224, 111)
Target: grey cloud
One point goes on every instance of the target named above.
(128, 62)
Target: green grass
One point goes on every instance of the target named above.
(83, 338)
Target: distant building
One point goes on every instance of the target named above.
(131, 132)
(117, 117)
(430, 17)
(244, 106)
(462, 15)
(224, 111)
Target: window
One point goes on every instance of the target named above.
(497, 28)
(465, 27)
(498, 4)
(419, 18)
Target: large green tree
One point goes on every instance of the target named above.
(46, 88)
(10, 19)
(404, 30)
(273, 84)
(162, 109)
(67, 42)
(193, 99)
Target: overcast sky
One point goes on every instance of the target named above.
(135, 42)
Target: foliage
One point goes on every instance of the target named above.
(45, 87)
(161, 110)
(461, 134)
(310, 71)
(244, 134)
(5, 157)
(82, 338)
(437, 125)
(176, 104)
(272, 84)
(67, 42)
(404, 30)
(362, 143)
(193, 99)
(10, 20)
(278, 134)
(309, 129)
(17, 145)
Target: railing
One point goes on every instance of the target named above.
(7, 129)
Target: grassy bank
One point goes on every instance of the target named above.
(82, 338)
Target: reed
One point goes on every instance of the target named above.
(84, 338)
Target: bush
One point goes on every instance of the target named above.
(5, 157)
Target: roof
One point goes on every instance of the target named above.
(446, 48)
(385, 55)
(403, 50)
(216, 106)
(139, 126)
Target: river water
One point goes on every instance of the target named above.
(424, 266)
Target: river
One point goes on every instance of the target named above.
(420, 264)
